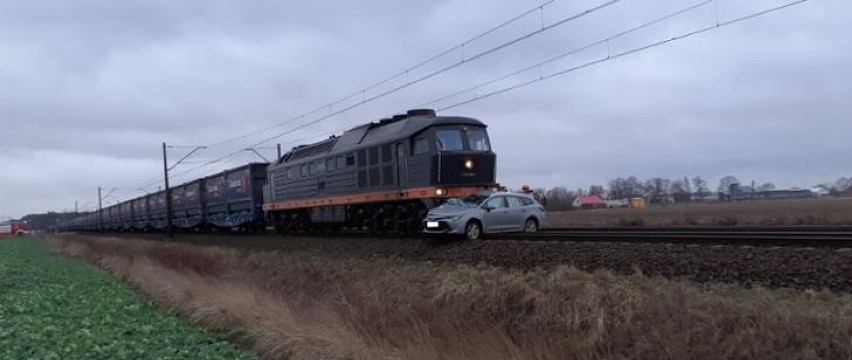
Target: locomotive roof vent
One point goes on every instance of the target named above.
(399, 117)
(421, 112)
(386, 121)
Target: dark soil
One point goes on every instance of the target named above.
(800, 268)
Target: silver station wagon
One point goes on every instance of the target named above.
(485, 213)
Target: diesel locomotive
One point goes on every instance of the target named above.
(381, 176)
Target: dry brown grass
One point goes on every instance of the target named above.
(307, 306)
(822, 211)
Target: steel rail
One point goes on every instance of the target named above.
(786, 236)
(806, 236)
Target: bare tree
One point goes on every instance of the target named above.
(618, 188)
(596, 190)
(700, 186)
(679, 190)
(657, 189)
(726, 182)
(634, 187)
(842, 184)
(767, 186)
(559, 198)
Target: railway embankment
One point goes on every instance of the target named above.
(310, 299)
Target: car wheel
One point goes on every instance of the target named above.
(473, 230)
(531, 226)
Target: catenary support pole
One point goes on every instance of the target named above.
(100, 212)
(168, 194)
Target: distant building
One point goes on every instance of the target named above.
(617, 203)
(819, 191)
(588, 202)
(773, 194)
(707, 197)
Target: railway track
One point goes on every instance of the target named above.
(837, 237)
(799, 236)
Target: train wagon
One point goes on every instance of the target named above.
(140, 213)
(188, 205)
(157, 210)
(234, 198)
(125, 216)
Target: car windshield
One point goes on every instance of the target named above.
(470, 201)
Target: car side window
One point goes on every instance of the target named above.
(527, 201)
(497, 203)
(514, 201)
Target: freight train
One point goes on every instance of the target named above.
(381, 176)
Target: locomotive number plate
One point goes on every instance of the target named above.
(432, 224)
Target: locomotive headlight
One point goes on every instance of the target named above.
(469, 164)
(439, 192)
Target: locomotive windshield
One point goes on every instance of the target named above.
(449, 140)
(478, 140)
(455, 140)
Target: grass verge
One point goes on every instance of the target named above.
(53, 307)
(310, 306)
(789, 212)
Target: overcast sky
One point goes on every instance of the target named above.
(90, 89)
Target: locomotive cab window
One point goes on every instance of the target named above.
(478, 140)
(449, 140)
(421, 146)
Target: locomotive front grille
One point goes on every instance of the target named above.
(461, 168)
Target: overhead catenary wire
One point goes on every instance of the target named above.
(571, 52)
(403, 73)
(240, 151)
(609, 57)
(406, 72)
(410, 82)
(463, 61)
(542, 77)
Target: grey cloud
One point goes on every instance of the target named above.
(90, 89)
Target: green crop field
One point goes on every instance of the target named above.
(52, 307)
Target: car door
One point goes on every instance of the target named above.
(497, 218)
(516, 214)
